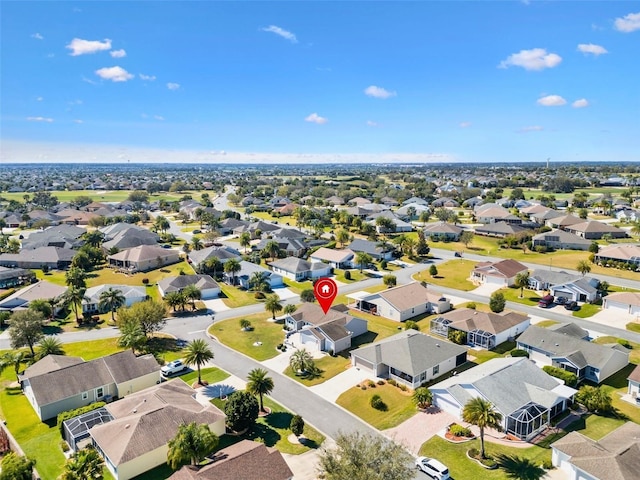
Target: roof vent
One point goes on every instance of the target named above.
(557, 344)
(438, 345)
(127, 425)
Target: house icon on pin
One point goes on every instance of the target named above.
(325, 289)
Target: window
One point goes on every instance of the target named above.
(436, 370)
(99, 392)
(85, 395)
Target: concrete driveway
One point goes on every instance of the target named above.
(336, 386)
(412, 433)
(284, 293)
(487, 289)
(614, 318)
(216, 305)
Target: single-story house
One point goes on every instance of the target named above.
(247, 269)
(410, 211)
(330, 332)
(63, 236)
(541, 279)
(71, 216)
(254, 459)
(256, 229)
(624, 302)
(409, 357)
(560, 240)
(293, 246)
(143, 258)
(228, 224)
(563, 221)
(616, 456)
(208, 287)
(483, 329)
(503, 272)
(371, 248)
(137, 438)
(526, 396)
(580, 290)
(625, 253)
(222, 253)
(402, 302)
(442, 231)
(336, 258)
(131, 295)
(13, 277)
(298, 269)
(398, 224)
(53, 385)
(492, 213)
(499, 229)
(587, 360)
(634, 384)
(41, 290)
(128, 236)
(593, 230)
(57, 258)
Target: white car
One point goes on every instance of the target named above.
(173, 367)
(433, 468)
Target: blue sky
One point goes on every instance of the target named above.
(320, 81)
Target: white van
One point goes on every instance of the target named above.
(433, 468)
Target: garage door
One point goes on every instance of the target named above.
(446, 403)
(617, 306)
(361, 363)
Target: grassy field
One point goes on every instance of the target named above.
(452, 274)
(399, 403)
(270, 334)
(107, 196)
(617, 386)
(530, 298)
(234, 297)
(587, 310)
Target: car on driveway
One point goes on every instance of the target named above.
(573, 306)
(172, 368)
(561, 300)
(433, 468)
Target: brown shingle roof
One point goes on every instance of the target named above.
(467, 320)
(410, 295)
(332, 255)
(631, 298)
(506, 268)
(634, 376)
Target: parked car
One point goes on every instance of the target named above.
(458, 254)
(173, 367)
(433, 468)
(546, 301)
(572, 306)
(561, 300)
(373, 267)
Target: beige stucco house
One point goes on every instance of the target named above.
(143, 258)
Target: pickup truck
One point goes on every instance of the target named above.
(173, 367)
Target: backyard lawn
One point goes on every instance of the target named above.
(399, 404)
(452, 274)
(259, 343)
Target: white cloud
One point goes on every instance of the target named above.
(533, 128)
(149, 78)
(78, 121)
(158, 117)
(39, 99)
(534, 59)
(115, 74)
(82, 47)
(40, 119)
(591, 48)
(315, 118)
(465, 124)
(281, 32)
(552, 101)
(378, 92)
(118, 53)
(371, 123)
(581, 103)
(37, 36)
(628, 23)
(173, 86)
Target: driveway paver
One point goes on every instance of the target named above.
(413, 432)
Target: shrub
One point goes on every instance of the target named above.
(363, 387)
(497, 302)
(62, 416)
(307, 296)
(377, 403)
(519, 353)
(403, 387)
(471, 305)
(625, 343)
(347, 275)
(547, 464)
(297, 425)
(64, 446)
(457, 336)
(411, 325)
(380, 382)
(145, 281)
(569, 378)
(391, 381)
(383, 264)
(371, 384)
(259, 296)
(460, 431)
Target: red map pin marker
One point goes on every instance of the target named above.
(325, 291)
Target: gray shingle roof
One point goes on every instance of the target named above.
(292, 264)
(175, 284)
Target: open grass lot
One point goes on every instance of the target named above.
(546, 323)
(513, 295)
(633, 326)
(356, 275)
(297, 287)
(399, 403)
(329, 367)
(108, 196)
(273, 430)
(209, 375)
(235, 297)
(270, 334)
(452, 274)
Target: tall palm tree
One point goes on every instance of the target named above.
(76, 277)
(272, 248)
(198, 353)
(192, 293)
(49, 346)
(196, 243)
(161, 224)
(342, 236)
(110, 300)
(131, 335)
(94, 238)
(13, 358)
(362, 259)
(258, 383)
(520, 468)
(84, 464)
(245, 240)
(289, 308)
(522, 280)
(481, 413)
(583, 267)
(74, 296)
(258, 282)
(192, 444)
(232, 266)
(273, 305)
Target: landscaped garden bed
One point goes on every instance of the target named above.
(457, 433)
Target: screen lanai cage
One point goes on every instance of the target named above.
(77, 428)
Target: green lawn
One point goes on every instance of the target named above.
(108, 195)
(273, 430)
(633, 326)
(587, 310)
(356, 275)
(329, 367)
(209, 375)
(298, 287)
(617, 385)
(399, 403)
(452, 274)
(269, 333)
(513, 295)
(546, 323)
(235, 297)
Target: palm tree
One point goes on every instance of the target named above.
(76, 277)
(583, 267)
(481, 413)
(94, 238)
(131, 335)
(49, 346)
(198, 353)
(175, 300)
(273, 305)
(258, 282)
(161, 224)
(422, 397)
(42, 306)
(110, 300)
(258, 383)
(210, 266)
(362, 259)
(520, 468)
(272, 248)
(635, 229)
(12, 358)
(193, 293)
(196, 243)
(301, 361)
(289, 308)
(232, 266)
(84, 464)
(192, 444)
(245, 240)
(522, 280)
(74, 296)
(342, 236)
